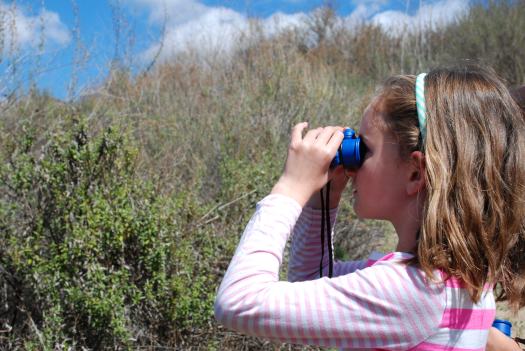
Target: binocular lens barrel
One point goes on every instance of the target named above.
(351, 152)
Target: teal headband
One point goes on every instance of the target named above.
(420, 104)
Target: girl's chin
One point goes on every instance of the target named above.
(363, 214)
(355, 206)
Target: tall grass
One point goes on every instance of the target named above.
(209, 137)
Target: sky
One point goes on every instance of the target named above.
(66, 46)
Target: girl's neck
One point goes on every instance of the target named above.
(407, 225)
(406, 243)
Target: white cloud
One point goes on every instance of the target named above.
(364, 9)
(54, 29)
(429, 16)
(373, 5)
(22, 30)
(175, 12)
(359, 15)
(279, 21)
(217, 29)
(394, 21)
(190, 24)
(443, 12)
(206, 29)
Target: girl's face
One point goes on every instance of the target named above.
(379, 186)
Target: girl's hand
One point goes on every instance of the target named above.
(307, 165)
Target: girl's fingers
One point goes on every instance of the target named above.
(297, 132)
(335, 140)
(326, 135)
(329, 137)
(323, 136)
(312, 135)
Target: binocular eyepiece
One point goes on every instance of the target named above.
(351, 152)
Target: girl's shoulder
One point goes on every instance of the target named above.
(397, 265)
(378, 257)
(454, 289)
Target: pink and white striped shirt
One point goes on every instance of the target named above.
(381, 303)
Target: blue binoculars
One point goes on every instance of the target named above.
(351, 152)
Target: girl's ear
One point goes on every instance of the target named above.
(416, 173)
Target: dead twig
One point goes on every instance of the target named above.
(221, 207)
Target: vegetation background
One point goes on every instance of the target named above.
(120, 210)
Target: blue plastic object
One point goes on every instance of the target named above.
(351, 153)
(503, 326)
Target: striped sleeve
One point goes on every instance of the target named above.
(388, 305)
(305, 252)
(465, 324)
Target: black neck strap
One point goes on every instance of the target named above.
(325, 223)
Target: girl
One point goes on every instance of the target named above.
(450, 176)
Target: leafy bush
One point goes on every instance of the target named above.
(96, 256)
(89, 256)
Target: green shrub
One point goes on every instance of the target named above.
(89, 257)
(96, 256)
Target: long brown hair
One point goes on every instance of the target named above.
(473, 224)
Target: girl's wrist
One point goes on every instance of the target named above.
(292, 190)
